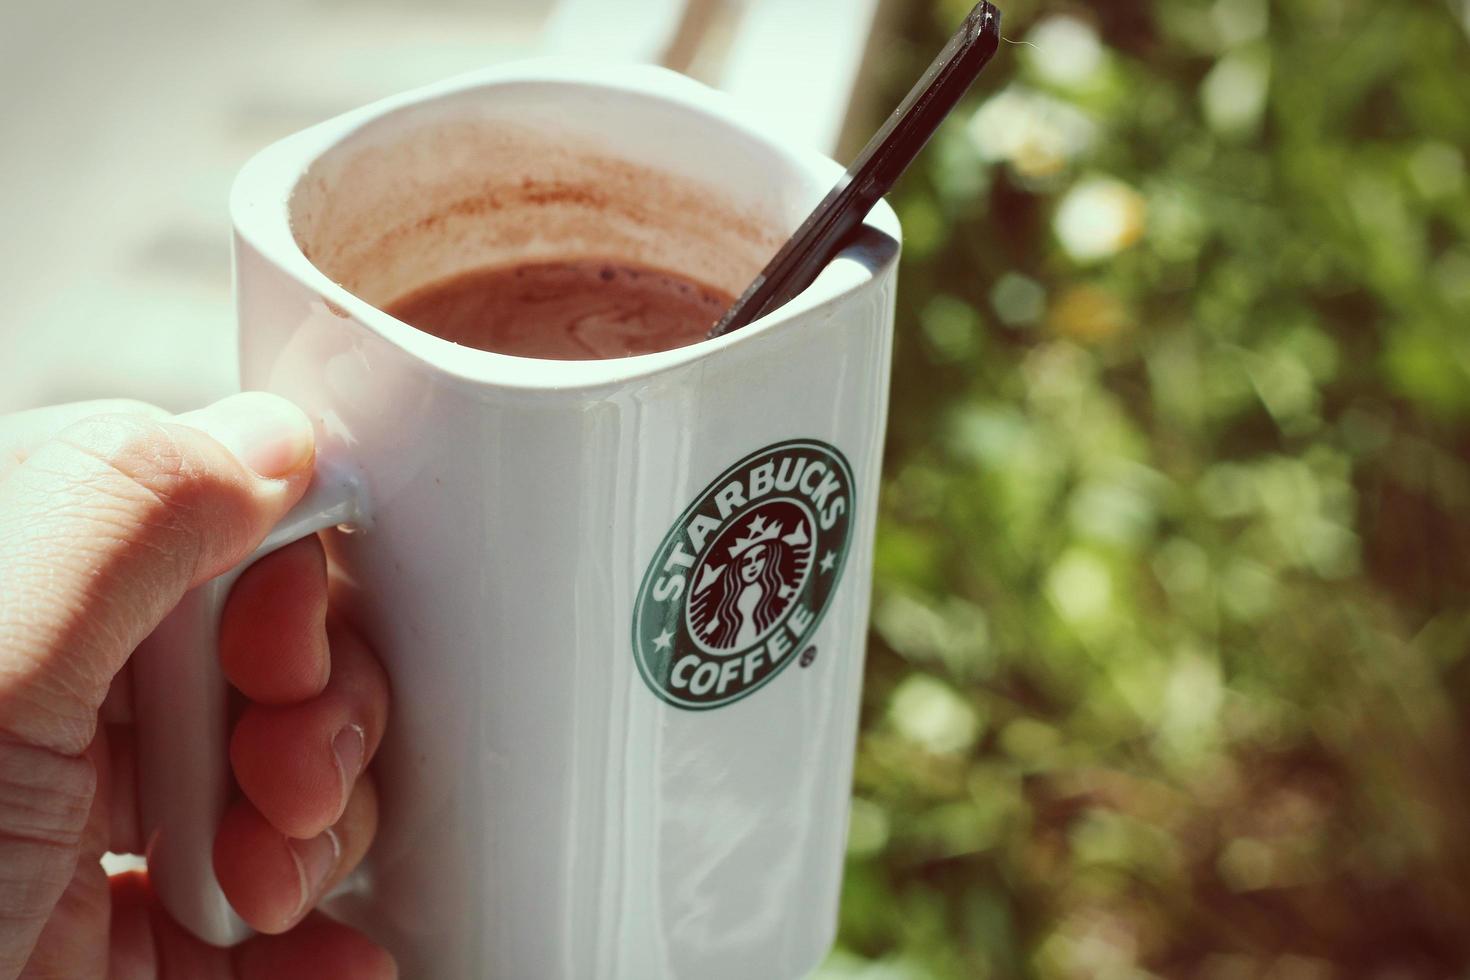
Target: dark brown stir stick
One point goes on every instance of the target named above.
(826, 230)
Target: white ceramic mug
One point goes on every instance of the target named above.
(622, 603)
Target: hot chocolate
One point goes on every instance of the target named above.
(569, 310)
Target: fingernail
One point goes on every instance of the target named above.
(316, 859)
(350, 747)
(265, 432)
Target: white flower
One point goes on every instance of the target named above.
(929, 713)
(1234, 93)
(1098, 218)
(1065, 50)
(1033, 132)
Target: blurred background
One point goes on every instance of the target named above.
(1169, 668)
(1168, 673)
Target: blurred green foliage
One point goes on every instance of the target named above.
(1168, 674)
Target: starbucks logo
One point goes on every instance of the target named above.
(742, 579)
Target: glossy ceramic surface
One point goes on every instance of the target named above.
(544, 813)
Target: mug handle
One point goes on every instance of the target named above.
(181, 709)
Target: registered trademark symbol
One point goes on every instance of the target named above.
(808, 655)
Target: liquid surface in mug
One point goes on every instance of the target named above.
(567, 311)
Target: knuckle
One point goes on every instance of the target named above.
(45, 800)
(46, 707)
(136, 483)
(45, 795)
(139, 449)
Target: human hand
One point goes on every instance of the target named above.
(105, 521)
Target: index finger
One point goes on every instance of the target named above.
(21, 432)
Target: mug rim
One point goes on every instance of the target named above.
(260, 212)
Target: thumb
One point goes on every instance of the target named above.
(103, 529)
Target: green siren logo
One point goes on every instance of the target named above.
(741, 581)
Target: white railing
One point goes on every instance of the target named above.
(794, 61)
